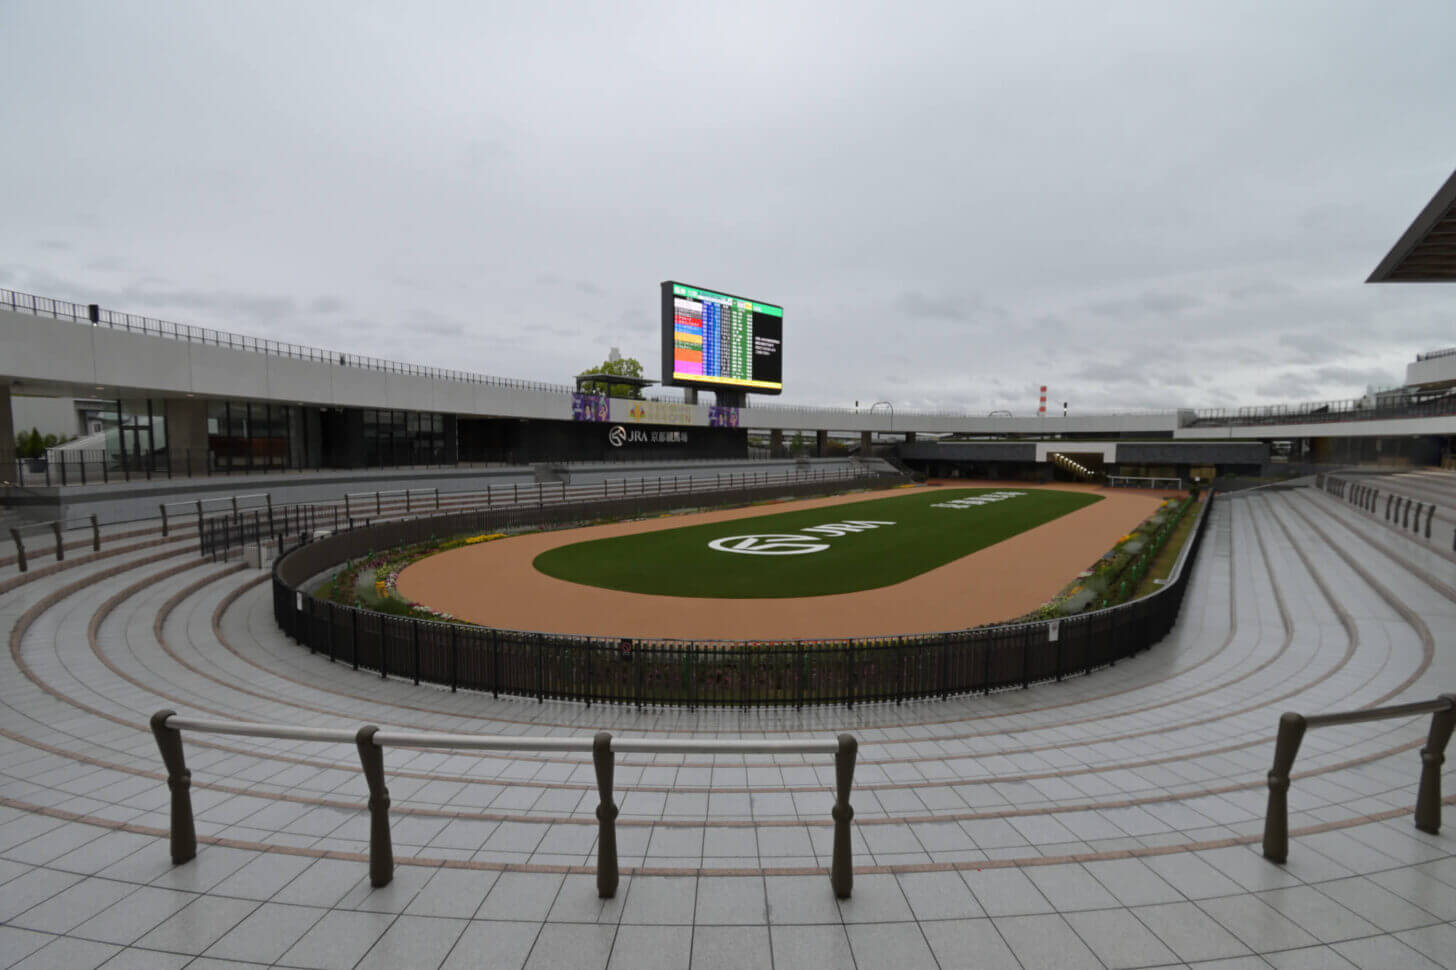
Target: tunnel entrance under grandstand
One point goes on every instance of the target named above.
(1077, 466)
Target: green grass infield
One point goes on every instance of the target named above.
(813, 552)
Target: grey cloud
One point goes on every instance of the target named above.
(1127, 232)
(1261, 289)
(217, 306)
(1149, 302)
(919, 305)
(434, 325)
(1366, 376)
(961, 309)
(321, 332)
(1104, 373)
(1287, 389)
(635, 321)
(586, 287)
(59, 245)
(1313, 347)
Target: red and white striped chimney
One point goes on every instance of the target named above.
(1042, 409)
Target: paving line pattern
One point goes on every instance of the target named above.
(1108, 820)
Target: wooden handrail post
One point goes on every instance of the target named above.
(841, 871)
(603, 760)
(1433, 755)
(163, 507)
(179, 780)
(1276, 819)
(381, 850)
(19, 549)
(60, 547)
(95, 534)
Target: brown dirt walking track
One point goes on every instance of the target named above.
(495, 584)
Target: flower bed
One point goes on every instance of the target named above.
(371, 582)
(1115, 576)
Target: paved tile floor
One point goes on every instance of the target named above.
(1107, 821)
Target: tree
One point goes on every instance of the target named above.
(622, 367)
(30, 445)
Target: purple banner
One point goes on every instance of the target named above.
(588, 406)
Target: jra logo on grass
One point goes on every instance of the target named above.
(972, 501)
(793, 544)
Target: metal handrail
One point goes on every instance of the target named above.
(1382, 405)
(1291, 732)
(167, 727)
(55, 526)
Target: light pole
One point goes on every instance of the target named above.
(892, 412)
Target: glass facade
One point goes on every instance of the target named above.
(249, 435)
(252, 436)
(135, 433)
(403, 438)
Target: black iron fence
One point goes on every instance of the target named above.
(1383, 406)
(283, 527)
(91, 466)
(667, 492)
(623, 670)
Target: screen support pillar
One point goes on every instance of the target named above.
(690, 395)
(7, 435)
(821, 443)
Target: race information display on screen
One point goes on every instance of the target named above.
(717, 340)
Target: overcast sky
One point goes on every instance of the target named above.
(1149, 205)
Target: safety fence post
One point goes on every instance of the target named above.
(1276, 819)
(19, 549)
(841, 872)
(1433, 755)
(381, 851)
(179, 780)
(603, 762)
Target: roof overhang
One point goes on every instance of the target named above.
(1427, 251)
(602, 378)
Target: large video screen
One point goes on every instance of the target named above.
(717, 340)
